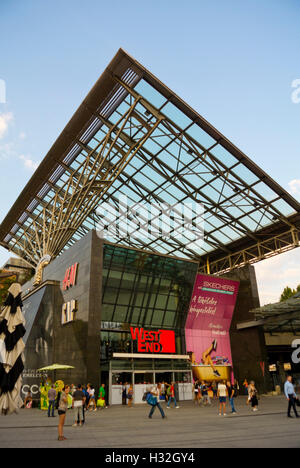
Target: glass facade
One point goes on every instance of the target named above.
(143, 290)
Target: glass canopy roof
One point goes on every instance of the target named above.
(141, 146)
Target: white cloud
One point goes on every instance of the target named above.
(294, 186)
(274, 274)
(7, 150)
(22, 135)
(5, 120)
(29, 163)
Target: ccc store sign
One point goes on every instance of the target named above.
(33, 389)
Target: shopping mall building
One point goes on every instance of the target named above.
(143, 223)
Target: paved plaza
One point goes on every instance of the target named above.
(186, 427)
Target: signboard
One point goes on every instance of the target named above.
(68, 312)
(70, 277)
(209, 319)
(149, 341)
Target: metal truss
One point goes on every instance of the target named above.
(124, 141)
(250, 255)
(80, 193)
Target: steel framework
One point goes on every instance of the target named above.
(135, 138)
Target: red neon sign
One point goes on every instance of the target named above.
(70, 277)
(161, 341)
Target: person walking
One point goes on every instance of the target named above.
(78, 405)
(62, 410)
(253, 396)
(153, 400)
(172, 396)
(231, 390)
(222, 394)
(289, 391)
(51, 399)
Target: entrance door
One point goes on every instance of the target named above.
(120, 380)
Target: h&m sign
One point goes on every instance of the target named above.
(70, 277)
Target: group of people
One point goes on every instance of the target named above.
(83, 399)
(230, 391)
(88, 396)
(167, 393)
(203, 392)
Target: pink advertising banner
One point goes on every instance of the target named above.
(209, 319)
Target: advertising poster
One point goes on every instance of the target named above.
(208, 324)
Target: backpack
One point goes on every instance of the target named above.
(57, 400)
(151, 400)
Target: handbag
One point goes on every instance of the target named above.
(297, 402)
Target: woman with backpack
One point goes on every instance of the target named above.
(153, 400)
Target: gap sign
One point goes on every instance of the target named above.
(160, 341)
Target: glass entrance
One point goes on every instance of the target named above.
(142, 382)
(119, 388)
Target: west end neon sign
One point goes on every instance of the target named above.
(160, 341)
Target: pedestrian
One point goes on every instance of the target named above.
(253, 396)
(85, 393)
(163, 391)
(153, 400)
(231, 390)
(214, 389)
(124, 397)
(289, 391)
(168, 391)
(130, 396)
(51, 399)
(28, 401)
(197, 393)
(172, 396)
(101, 397)
(246, 385)
(204, 392)
(237, 388)
(62, 410)
(78, 405)
(222, 394)
(92, 400)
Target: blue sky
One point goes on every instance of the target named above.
(234, 62)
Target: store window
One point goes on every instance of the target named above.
(143, 290)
